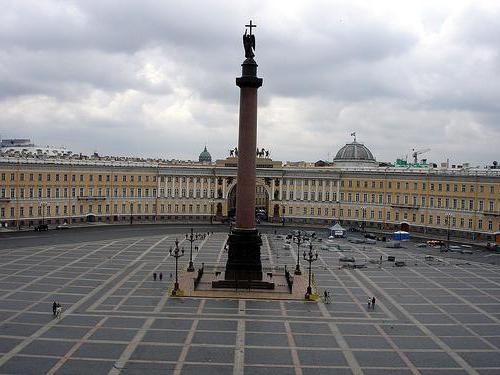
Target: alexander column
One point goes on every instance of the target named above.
(244, 264)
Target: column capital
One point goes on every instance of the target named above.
(249, 82)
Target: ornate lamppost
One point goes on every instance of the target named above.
(310, 257)
(42, 205)
(448, 218)
(176, 253)
(298, 239)
(191, 238)
(211, 211)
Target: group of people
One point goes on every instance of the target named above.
(56, 309)
(157, 276)
(371, 303)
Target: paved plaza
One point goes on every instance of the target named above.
(439, 316)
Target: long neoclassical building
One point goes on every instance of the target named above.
(355, 190)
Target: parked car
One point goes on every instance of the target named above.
(371, 236)
(41, 227)
(63, 226)
(435, 243)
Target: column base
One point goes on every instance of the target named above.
(243, 267)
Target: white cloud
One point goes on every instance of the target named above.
(158, 78)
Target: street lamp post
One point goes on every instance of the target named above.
(42, 206)
(131, 212)
(176, 253)
(211, 211)
(191, 238)
(283, 218)
(310, 257)
(448, 217)
(298, 239)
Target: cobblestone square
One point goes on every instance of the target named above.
(431, 317)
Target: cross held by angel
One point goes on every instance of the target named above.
(249, 41)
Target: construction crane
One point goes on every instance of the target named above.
(419, 152)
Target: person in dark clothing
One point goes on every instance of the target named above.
(54, 307)
(373, 303)
(161, 276)
(154, 276)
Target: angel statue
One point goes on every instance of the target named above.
(249, 45)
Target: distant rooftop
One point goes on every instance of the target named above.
(16, 142)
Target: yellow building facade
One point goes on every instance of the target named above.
(432, 200)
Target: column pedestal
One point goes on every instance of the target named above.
(243, 267)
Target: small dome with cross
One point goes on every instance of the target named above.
(205, 156)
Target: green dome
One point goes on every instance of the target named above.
(205, 156)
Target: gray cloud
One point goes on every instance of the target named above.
(158, 78)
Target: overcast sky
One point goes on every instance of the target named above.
(157, 78)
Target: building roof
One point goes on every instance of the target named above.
(354, 151)
(337, 227)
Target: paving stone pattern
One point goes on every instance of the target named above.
(431, 317)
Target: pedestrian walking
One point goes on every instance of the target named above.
(54, 308)
(161, 276)
(373, 303)
(369, 303)
(154, 276)
(58, 310)
(325, 294)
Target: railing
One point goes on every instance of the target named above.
(405, 205)
(90, 198)
(199, 276)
